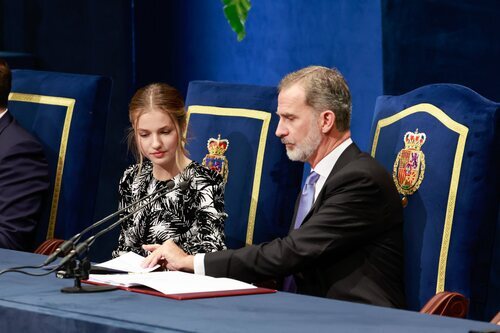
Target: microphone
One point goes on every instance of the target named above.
(83, 246)
(68, 245)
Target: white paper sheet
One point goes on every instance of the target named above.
(172, 282)
(128, 262)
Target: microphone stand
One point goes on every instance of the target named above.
(68, 245)
(79, 270)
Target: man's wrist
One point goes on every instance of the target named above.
(188, 264)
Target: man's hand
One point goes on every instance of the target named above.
(175, 258)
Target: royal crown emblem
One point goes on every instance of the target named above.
(409, 167)
(215, 159)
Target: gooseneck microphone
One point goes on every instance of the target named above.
(84, 246)
(68, 249)
(68, 245)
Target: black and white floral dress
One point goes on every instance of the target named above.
(193, 217)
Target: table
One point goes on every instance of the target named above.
(35, 304)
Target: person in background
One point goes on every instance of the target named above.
(346, 239)
(24, 179)
(193, 218)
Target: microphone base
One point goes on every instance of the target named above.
(87, 289)
(79, 289)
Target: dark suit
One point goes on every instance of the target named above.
(350, 246)
(23, 185)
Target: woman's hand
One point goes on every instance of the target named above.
(171, 254)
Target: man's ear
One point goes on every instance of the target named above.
(327, 121)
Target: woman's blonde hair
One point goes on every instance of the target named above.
(162, 97)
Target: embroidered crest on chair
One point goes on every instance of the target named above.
(215, 159)
(409, 167)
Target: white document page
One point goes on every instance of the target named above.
(128, 262)
(172, 282)
(122, 280)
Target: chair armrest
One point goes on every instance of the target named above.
(446, 303)
(49, 246)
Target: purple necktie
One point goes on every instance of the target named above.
(305, 204)
(306, 199)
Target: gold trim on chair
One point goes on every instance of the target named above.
(69, 103)
(462, 131)
(246, 113)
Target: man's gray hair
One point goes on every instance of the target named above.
(325, 89)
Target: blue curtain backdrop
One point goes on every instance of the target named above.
(441, 41)
(282, 36)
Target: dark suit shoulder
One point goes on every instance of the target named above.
(15, 140)
(358, 165)
(23, 184)
(21, 151)
(365, 184)
(366, 165)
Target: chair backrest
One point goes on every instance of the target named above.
(262, 183)
(451, 221)
(67, 113)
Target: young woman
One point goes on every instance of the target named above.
(192, 217)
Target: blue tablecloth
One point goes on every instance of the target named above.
(35, 304)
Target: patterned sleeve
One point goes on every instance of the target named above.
(207, 215)
(125, 199)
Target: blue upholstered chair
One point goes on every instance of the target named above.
(262, 184)
(67, 113)
(448, 172)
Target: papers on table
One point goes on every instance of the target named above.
(169, 283)
(172, 282)
(128, 262)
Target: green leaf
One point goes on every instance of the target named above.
(236, 12)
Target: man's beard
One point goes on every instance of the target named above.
(302, 151)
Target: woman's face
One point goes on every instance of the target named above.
(157, 138)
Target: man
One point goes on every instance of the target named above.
(348, 246)
(23, 176)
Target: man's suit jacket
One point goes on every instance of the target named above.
(349, 247)
(23, 185)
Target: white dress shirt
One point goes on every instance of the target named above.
(323, 168)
